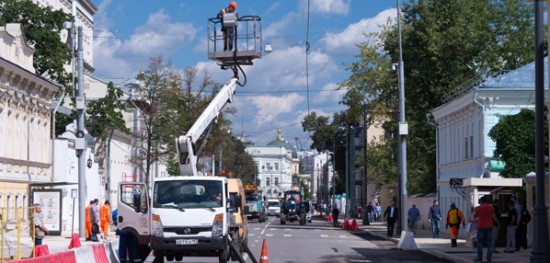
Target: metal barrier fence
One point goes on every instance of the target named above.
(16, 233)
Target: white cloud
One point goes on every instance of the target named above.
(342, 42)
(115, 57)
(328, 94)
(340, 7)
(269, 107)
(159, 35)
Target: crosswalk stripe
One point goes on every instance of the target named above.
(268, 235)
(324, 236)
(287, 235)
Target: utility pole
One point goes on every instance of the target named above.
(80, 144)
(366, 219)
(540, 251)
(403, 132)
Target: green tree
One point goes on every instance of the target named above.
(445, 44)
(515, 143)
(42, 27)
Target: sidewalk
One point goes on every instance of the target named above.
(441, 247)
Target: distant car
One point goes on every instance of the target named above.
(273, 207)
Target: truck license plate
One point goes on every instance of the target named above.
(187, 241)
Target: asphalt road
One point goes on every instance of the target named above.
(320, 242)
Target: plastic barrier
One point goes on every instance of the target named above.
(111, 248)
(85, 254)
(99, 253)
(41, 250)
(65, 257)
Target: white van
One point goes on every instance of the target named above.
(273, 207)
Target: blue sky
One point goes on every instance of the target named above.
(129, 32)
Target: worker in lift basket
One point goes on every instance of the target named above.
(228, 33)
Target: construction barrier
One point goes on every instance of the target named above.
(41, 250)
(65, 257)
(99, 253)
(85, 254)
(111, 248)
(330, 219)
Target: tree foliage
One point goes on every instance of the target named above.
(515, 143)
(42, 27)
(445, 44)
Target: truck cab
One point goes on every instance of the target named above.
(184, 216)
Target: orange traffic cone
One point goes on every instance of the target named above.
(354, 225)
(263, 256)
(75, 241)
(346, 224)
(330, 219)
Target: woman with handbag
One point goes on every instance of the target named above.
(472, 230)
(40, 231)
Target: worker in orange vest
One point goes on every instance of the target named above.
(105, 218)
(228, 33)
(89, 222)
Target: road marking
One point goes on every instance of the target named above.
(257, 228)
(265, 227)
(324, 236)
(287, 235)
(287, 229)
(251, 234)
(268, 235)
(272, 229)
(343, 236)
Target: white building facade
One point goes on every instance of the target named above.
(466, 169)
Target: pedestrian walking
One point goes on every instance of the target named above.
(434, 216)
(228, 32)
(335, 214)
(391, 214)
(377, 212)
(496, 224)
(40, 230)
(105, 218)
(359, 211)
(511, 228)
(524, 219)
(413, 218)
(370, 212)
(95, 219)
(455, 217)
(484, 214)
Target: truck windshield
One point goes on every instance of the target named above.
(187, 194)
(251, 197)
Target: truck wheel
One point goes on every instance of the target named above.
(302, 219)
(282, 221)
(237, 245)
(159, 257)
(224, 254)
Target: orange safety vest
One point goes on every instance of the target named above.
(88, 218)
(105, 213)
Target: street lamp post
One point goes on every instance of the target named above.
(403, 131)
(366, 219)
(540, 251)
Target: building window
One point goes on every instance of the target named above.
(267, 182)
(276, 166)
(471, 146)
(276, 181)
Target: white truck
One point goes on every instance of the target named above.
(191, 214)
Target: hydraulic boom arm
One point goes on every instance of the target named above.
(185, 144)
